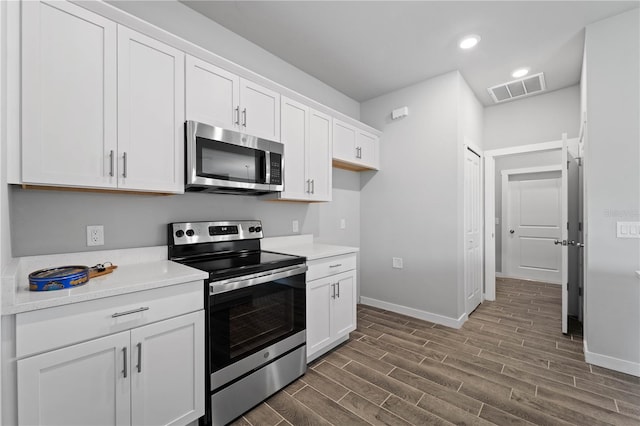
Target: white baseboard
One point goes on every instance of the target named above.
(621, 365)
(416, 313)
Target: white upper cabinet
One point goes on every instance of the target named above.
(102, 105)
(68, 95)
(150, 114)
(213, 94)
(220, 98)
(354, 148)
(306, 135)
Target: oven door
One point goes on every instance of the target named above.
(254, 321)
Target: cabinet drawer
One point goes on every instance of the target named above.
(330, 266)
(51, 328)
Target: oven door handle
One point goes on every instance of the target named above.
(235, 284)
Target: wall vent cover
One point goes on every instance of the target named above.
(520, 88)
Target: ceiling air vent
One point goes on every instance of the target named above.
(517, 88)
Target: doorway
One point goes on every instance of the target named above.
(492, 230)
(531, 222)
(472, 227)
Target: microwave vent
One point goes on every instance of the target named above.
(516, 89)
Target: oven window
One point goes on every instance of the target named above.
(220, 160)
(247, 320)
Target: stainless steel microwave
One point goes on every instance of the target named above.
(224, 161)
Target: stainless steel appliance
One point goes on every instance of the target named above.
(224, 161)
(255, 303)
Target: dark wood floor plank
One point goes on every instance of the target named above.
(392, 348)
(433, 374)
(411, 413)
(385, 382)
(499, 417)
(263, 415)
(294, 411)
(372, 413)
(556, 410)
(324, 385)
(328, 409)
(358, 385)
(450, 412)
(363, 358)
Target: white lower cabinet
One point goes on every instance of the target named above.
(150, 374)
(331, 303)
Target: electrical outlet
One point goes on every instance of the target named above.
(295, 226)
(397, 262)
(95, 235)
(343, 223)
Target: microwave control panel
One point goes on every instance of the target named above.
(276, 169)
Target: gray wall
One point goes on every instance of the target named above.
(612, 182)
(540, 118)
(184, 22)
(410, 208)
(46, 222)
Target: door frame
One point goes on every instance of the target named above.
(469, 145)
(490, 208)
(505, 207)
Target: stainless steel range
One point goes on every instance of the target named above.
(255, 302)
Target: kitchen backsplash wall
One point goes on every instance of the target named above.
(47, 222)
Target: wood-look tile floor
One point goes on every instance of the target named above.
(508, 364)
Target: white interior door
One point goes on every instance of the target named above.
(472, 231)
(564, 248)
(533, 223)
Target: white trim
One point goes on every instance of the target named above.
(544, 146)
(527, 170)
(489, 206)
(415, 313)
(606, 361)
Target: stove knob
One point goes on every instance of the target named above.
(252, 229)
(179, 233)
(190, 232)
(258, 229)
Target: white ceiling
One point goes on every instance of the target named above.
(367, 48)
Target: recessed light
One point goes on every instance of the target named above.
(469, 41)
(520, 72)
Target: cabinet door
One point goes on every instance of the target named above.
(368, 145)
(68, 95)
(167, 371)
(295, 134)
(344, 141)
(212, 95)
(319, 155)
(319, 293)
(344, 305)
(84, 384)
(260, 111)
(150, 114)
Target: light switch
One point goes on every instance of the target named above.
(628, 229)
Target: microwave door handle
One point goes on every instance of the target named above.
(267, 168)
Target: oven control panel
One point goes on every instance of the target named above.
(213, 232)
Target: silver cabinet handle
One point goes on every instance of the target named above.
(124, 356)
(308, 186)
(333, 291)
(133, 311)
(111, 163)
(335, 266)
(244, 117)
(238, 115)
(139, 366)
(124, 165)
(338, 293)
(313, 186)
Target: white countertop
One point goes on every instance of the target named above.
(138, 269)
(303, 245)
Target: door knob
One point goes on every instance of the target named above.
(556, 242)
(511, 231)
